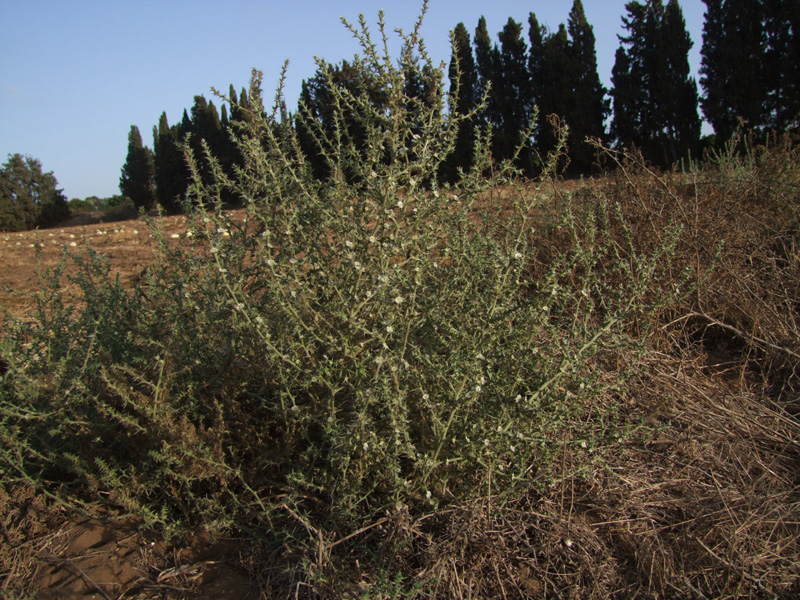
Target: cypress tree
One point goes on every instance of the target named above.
(504, 71)
(171, 175)
(563, 68)
(783, 25)
(136, 180)
(633, 77)
(733, 73)
(676, 89)
(513, 95)
(655, 101)
(555, 85)
(317, 100)
(463, 84)
(486, 68)
(206, 127)
(589, 106)
(751, 65)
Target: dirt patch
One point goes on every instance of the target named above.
(25, 256)
(56, 556)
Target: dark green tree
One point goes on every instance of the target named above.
(136, 180)
(676, 91)
(486, 70)
(28, 197)
(589, 106)
(514, 95)
(554, 85)
(563, 68)
(751, 65)
(171, 175)
(206, 127)
(655, 100)
(782, 26)
(317, 100)
(733, 75)
(504, 71)
(463, 89)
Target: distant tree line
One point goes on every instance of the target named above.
(750, 70)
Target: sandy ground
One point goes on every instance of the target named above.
(26, 256)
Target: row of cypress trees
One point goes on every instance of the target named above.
(750, 69)
(161, 176)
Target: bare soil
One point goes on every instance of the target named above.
(69, 557)
(24, 256)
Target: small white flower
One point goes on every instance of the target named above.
(426, 397)
(357, 265)
(214, 250)
(480, 356)
(222, 270)
(270, 262)
(499, 429)
(518, 399)
(399, 300)
(428, 494)
(259, 320)
(478, 388)
(400, 204)
(389, 329)
(239, 306)
(372, 239)
(349, 244)
(518, 255)
(486, 442)
(365, 446)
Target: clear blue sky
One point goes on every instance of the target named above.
(76, 74)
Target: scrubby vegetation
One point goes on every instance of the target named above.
(390, 387)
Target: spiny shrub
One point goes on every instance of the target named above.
(372, 342)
